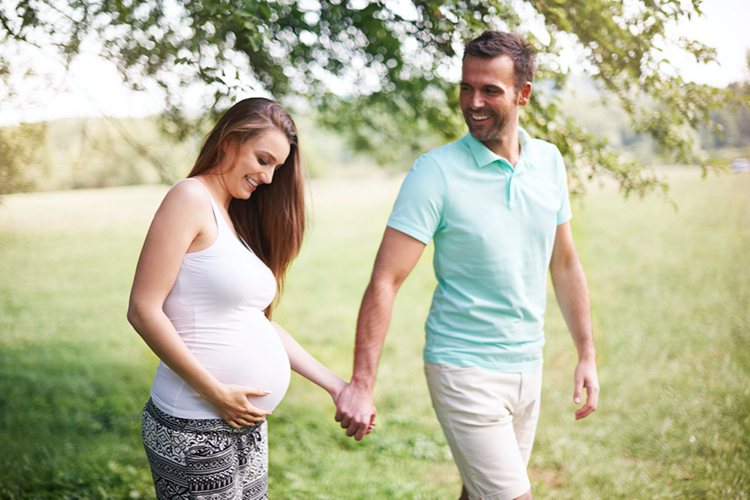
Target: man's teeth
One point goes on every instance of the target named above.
(255, 184)
(480, 117)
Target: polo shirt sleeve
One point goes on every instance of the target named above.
(564, 214)
(419, 205)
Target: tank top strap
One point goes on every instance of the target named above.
(221, 224)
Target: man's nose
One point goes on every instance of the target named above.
(477, 101)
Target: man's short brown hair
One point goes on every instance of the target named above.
(491, 44)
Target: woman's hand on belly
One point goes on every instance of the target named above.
(233, 406)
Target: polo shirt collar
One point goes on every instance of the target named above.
(484, 156)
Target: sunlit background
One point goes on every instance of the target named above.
(668, 273)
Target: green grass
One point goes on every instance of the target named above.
(671, 304)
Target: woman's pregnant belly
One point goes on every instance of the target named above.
(250, 354)
(255, 358)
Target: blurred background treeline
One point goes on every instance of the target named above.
(101, 152)
(98, 152)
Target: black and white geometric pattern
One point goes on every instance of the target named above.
(204, 459)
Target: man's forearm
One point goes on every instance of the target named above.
(397, 256)
(355, 410)
(572, 295)
(372, 327)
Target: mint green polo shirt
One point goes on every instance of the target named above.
(493, 227)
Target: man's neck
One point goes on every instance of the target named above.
(506, 146)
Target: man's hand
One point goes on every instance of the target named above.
(585, 376)
(355, 411)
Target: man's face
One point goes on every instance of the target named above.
(488, 98)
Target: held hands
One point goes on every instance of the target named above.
(355, 411)
(585, 376)
(235, 409)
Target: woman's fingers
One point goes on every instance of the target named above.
(242, 406)
(258, 393)
(371, 427)
(237, 411)
(243, 421)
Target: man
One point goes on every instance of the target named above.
(496, 205)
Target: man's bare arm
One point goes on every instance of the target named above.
(572, 294)
(397, 256)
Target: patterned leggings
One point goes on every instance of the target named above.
(204, 459)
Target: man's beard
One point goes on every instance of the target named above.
(492, 131)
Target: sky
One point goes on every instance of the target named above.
(93, 87)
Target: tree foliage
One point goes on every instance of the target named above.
(20, 149)
(383, 72)
(22, 146)
(732, 122)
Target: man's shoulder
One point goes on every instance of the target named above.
(447, 153)
(540, 146)
(543, 154)
(435, 166)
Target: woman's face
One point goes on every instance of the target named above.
(256, 161)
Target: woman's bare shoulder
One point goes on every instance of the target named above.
(190, 189)
(187, 203)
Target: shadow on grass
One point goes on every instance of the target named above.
(70, 424)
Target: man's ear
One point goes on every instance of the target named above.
(524, 94)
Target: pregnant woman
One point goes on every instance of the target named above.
(212, 263)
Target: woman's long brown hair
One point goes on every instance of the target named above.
(272, 220)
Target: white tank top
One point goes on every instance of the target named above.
(216, 305)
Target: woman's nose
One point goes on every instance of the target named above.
(267, 175)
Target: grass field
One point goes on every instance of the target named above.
(671, 304)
